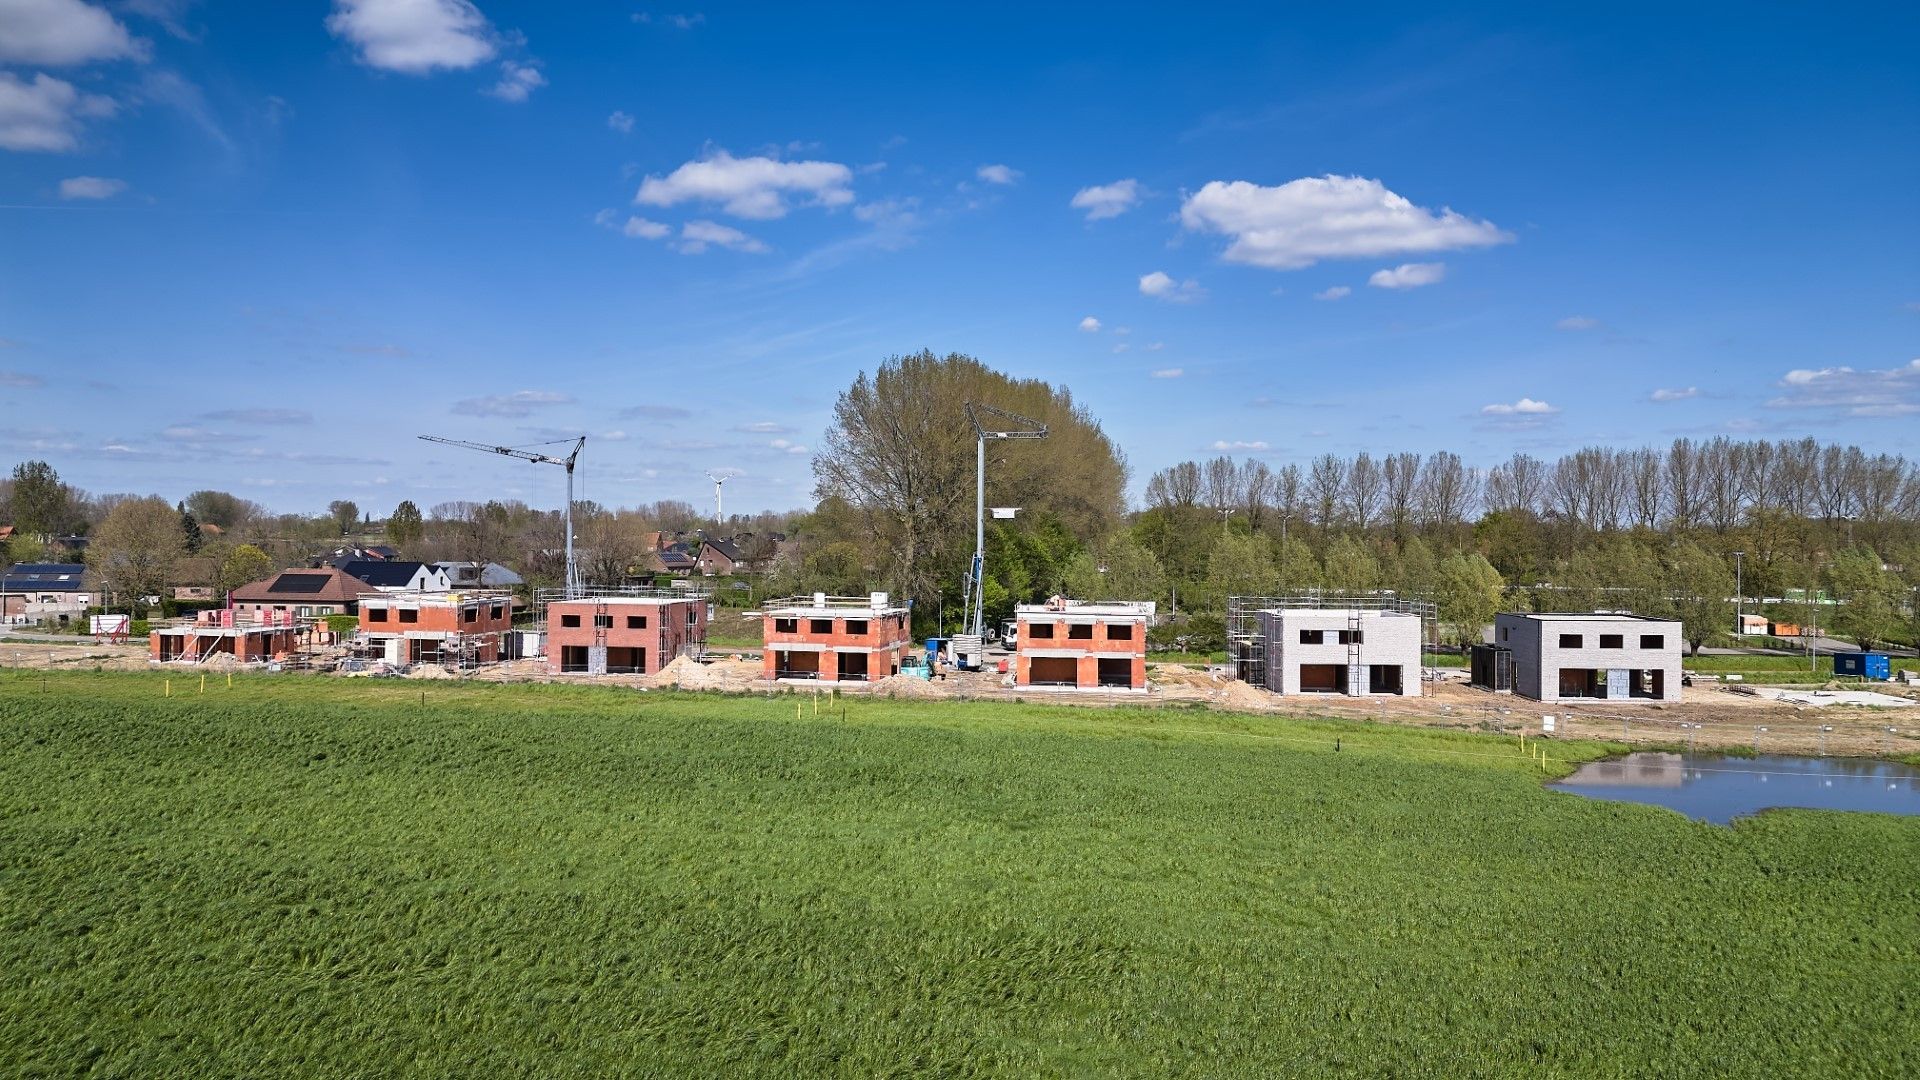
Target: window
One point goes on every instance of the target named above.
(603, 622)
(1506, 633)
(1039, 630)
(856, 626)
(471, 614)
(569, 620)
(693, 615)
(1312, 637)
(1351, 637)
(499, 611)
(1080, 632)
(1571, 641)
(378, 614)
(1613, 641)
(1653, 641)
(786, 626)
(636, 622)
(410, 615)
(819, 626)
(1119, 631)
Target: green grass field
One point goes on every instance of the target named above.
(307, 877)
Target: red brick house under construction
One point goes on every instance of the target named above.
(623, 635)
(835, 638)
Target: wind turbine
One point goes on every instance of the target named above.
(719, 478)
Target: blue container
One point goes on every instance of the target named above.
(933, 648)
(1863, 665)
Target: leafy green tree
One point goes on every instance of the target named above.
(1350, 567)
(345, 514)
(42, 505)
(1871, 598)
(1241, 565)
(1413, 570)
(1697, 584)
(405, 526)
(220, 508)
(135, 550)
(244, 565)
(1119, 568)
(1295, 566)
(1467, 591)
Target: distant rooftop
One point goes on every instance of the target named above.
(1584, 616)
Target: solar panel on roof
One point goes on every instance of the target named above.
(300, 583)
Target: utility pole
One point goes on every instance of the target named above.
(1739, 595)
(973, 621)
(567, 463)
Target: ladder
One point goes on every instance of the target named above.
(1356, 672)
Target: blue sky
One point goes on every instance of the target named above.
(259, 246)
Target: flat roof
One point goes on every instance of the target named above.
(1099, 607)
(1341, 613)
(655, 601)
(1583, 616)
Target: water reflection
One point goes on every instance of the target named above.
(1717, 788)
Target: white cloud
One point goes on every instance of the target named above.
(91, 187)
(1155, 346)
(678, 22)
(1103, 201)
(787, 447)
(20, 380)
(1333, 292)
(1168, 373)
(518, 403)
(1303, 221)
(415, 37)
(696, 235)
(1240, 444)
(640, 228)
(754, 187)
(998, 174)
(1408, 276)
(1120, 348)
(765, 427)
(1577, 322)
(1090, 324)
(45, 114)
(1161, 286)
(517, 81)
(621, 122)
(59, 33)
(1665, 394)
(1526, 406)
(1865, 394)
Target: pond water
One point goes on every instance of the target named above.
(1717, 788)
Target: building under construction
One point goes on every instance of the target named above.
(249, 637)
(1248, 647)
(458, 628)
(629, 631)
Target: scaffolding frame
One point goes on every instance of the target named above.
(1247, 641)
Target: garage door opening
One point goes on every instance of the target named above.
(1053, 671)
(853, 666)
(796, 665)
(1116, 671)
(1385, 679)
(623, 660)
(573, 658)
(1582, 683)
(1648, 683)
(1323, 678)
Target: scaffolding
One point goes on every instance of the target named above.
(695, 644)
(1247, 641)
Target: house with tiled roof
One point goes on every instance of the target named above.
(320, 590)
(32, 592)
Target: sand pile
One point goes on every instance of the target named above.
(430, 671)
(908, 686)
(690, 674)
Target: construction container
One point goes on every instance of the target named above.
(1876, 666)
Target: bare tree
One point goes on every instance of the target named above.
(1446, 490)
(1517, 485)
(1175, 488)
(1256, 491)
(1364, 483)
(1400, 480)
(1645, 473)
(1221, 483)
(1326, 482)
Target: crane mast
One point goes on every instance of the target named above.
(973, 614)
(573, 570)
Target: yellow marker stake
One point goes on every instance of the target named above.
(229, 680)
(169, 688)
(203, 683)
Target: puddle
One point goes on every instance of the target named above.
(1717, 788)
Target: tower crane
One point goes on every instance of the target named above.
(567, 463)
(973, 617)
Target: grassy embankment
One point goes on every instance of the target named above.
(315, 877)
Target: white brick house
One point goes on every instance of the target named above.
(1594, 656)
(1359, 653)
